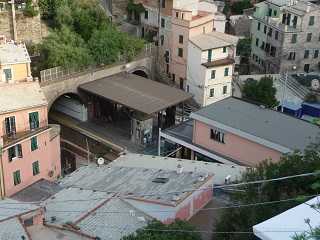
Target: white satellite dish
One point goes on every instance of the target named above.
(100, 161)
(315, 84)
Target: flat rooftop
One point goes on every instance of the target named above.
(217, 170)
(214, 40)
(20, 96)
(138, 93)
(265, 126)
(11, 53)
(141, 184)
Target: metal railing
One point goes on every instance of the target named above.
(60, 73)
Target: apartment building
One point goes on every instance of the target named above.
(285, 36)
(211, 66)
(235, 131)
(30, 148)
(179, 20)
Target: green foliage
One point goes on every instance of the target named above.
(166, 232)
(65, 48)
(30, 10)
(89, 36)
(261, 91)
(311, 98)
(242, 219)
(136, 8)
(238, 7)
(244, 47)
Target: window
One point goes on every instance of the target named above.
(316, 54)
(294, 38)
(217, 135)
(182, 15)
(288, 19)
(188, 88)
(16, 178)
(35, 168)
(204, 30)
(225, 89)
(257, 42)
(7, 74)
(270, 12)
(34, 143)
(259, 25)
(306, 68)
(163, 23)
(211, 92)
(262, 45)
(311, 20)
(213, 74)
(146, 14)
(181, 39)
(28, 222)
(267, 47)
(270, 32)
(177, 14)
(265, 29)
(309, 37)
(292, 56)
(161, 40)
(294, 21)
(224, 49)
(180, 52)
(226, 72)
(276, 35)
(209, 55)
(306, 53)
(181, 83)
(15, 152)
(34, 120)
(163, 3)
(273, 51)
(10, 125)
(275, 13)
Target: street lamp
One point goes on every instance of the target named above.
(285, 87)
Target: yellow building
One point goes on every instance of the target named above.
(14, 63)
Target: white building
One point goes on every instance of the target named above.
(211, 66)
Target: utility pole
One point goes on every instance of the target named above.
(284, 90)
(158, 38)
(14, 23)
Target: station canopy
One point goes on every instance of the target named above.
(135, 92)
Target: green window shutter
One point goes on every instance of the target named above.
(16, 177)
(19, 148)
(11, 153)
(35, 168)
(34, 120)
(209, 55)
(34, 143)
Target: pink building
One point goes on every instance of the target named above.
(30, 148)
(235, 131)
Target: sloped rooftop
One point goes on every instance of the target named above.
(12, 229)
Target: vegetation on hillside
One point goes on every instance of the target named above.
(155, 230)
(261, 91)
(81, 35)
(242, 219)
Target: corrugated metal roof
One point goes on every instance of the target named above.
(135, 92)
(19, 96)
(214, 40)
(267, 124)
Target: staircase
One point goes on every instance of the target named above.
(297, 89)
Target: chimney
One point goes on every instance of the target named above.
(179, 169)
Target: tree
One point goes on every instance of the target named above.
(64, 48)
(261, 91)
(238, 7)
(243, 218)
(244, 48)
(156, 230)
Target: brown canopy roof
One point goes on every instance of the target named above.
(135, 92)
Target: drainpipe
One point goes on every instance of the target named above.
(2, 190)
(14, 23)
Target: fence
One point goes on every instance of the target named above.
(60, 73)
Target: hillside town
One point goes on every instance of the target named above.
(159, 119)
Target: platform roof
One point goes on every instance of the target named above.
(135, 92)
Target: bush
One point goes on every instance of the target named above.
(30, 9)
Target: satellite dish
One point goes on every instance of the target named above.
(315, 84)
(100, 161)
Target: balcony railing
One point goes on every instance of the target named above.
(13, 136)
(277, 23)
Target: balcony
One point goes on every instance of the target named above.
(220, 62)
(14, 137)
(277, 23)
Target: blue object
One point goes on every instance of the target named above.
(311, 109)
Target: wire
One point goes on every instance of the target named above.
(164, 211)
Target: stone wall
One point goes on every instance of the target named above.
(29, 29)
